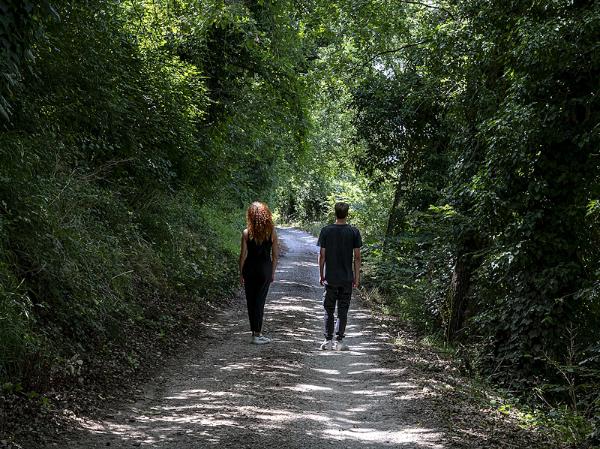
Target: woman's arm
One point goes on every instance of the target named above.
(243, 253)
(274, 254)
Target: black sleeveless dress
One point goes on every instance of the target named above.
(257, 273)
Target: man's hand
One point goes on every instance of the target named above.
(242, 280)
(322, 279)
(355, 283)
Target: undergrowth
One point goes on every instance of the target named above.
(75, 282)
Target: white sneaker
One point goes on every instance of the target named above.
(327, 345)
(340, 345)
(260, 340)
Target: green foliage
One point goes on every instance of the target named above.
(138, 131)
(464, 134)
(19, 342)
(480, 118)
(22, 22)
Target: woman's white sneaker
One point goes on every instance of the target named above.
(260, 340)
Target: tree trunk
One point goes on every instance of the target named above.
(465, 264)
(393, 218)
(457, 301)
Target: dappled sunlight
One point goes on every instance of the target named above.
(304, 264)
(289, 308)
(326, 371)
(417, 437)
(393, 372)
(294, 283)
(235, 366)
(290, 392)
(373, 393)
(356, 409)
(203, 395)
(338, 380)
(303, 388)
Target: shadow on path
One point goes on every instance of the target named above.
(288, 394)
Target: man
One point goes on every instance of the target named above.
(339, 243)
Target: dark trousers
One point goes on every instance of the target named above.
(336, 295)
(256, 295)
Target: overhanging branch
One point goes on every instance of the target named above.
(394, 50)
(410, 2)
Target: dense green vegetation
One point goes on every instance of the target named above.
(470, 131)
(464, 133)
(133, 134)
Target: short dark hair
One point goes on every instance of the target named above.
(341, 210)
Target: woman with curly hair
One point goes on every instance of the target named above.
(258, 261)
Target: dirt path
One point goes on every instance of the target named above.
(230, 394)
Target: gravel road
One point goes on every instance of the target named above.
(288, 394)
(227, 393)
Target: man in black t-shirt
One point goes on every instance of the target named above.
(340, 243)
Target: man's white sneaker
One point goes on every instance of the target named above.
(327, 345)
(340, 345)
(260, 340)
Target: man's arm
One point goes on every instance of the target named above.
(357, 263)
(322, 266)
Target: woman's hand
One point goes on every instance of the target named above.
(242, 280)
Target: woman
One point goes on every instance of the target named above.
(258, 261)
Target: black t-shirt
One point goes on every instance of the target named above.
(339, 242)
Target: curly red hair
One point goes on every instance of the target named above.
(259, 221)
